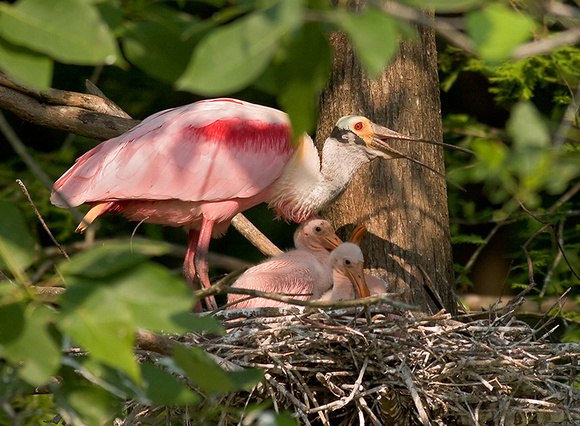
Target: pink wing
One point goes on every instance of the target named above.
(293, 273)
(207, 151)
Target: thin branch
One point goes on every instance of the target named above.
(67, 118)
(549, 44)
(254, 235)
(478, 250)
(56, 243)
(367, 301)
(444, 28)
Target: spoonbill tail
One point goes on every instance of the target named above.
(304, 272)
(198, 165)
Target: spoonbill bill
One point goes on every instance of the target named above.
(348, 276)
(198, 165)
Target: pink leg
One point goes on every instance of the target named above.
(189, 265)
(200, 259)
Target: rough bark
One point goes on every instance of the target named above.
(403, 205)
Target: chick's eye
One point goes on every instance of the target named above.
(318, 229)
(358, 126)
(347, 262)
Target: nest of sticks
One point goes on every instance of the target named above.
(382, 366)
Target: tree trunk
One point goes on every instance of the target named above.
(403, 205)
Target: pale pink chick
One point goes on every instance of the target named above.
(303, 271)
(349, 280)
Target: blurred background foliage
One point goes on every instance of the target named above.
(509, 75)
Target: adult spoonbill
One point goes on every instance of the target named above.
(198, 165)
(304, 272)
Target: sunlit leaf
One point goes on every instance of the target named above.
(527, 127)
(112, 257)
(301, 74)
(33, 349)
(69, 31)
(15, 238)
(26, 66)
(374, 36)
(97, 321)
(497, 30)
(233, 56)
(157, 48)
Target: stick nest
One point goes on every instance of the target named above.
(334, 367)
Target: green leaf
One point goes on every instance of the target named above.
(164, 389)
(497, 30)
(374, 36)
(84, 404)
(13, 322)
(301, 73)
(97, 321)
(158, 48)
(16, 242)
(33, 350)
(233, 56)
(159, 301)
(102, 316)
(211, 378)
(70, 31)
(112, 257)
(25, 66)
(528, 128)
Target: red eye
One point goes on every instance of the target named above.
(359, 126)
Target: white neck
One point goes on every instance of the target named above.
(307, 185)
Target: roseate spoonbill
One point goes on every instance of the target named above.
(303, 271)
(198, 165)
(374, 284)
(348, 277)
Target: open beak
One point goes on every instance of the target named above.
(357, 278)
(330, 242)
(384, 150)
(357, 235)
(380, 134)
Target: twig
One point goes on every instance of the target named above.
(548, 44)
(371, 300)
(60, 248)
(478, 250)
(444, 28)
(406, 373)
(22, 152)
(335, 405)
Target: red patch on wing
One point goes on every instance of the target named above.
(244, 134)
(221, 100)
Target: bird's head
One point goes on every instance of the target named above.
(315, 235)
(347, 259)
(371, 138)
